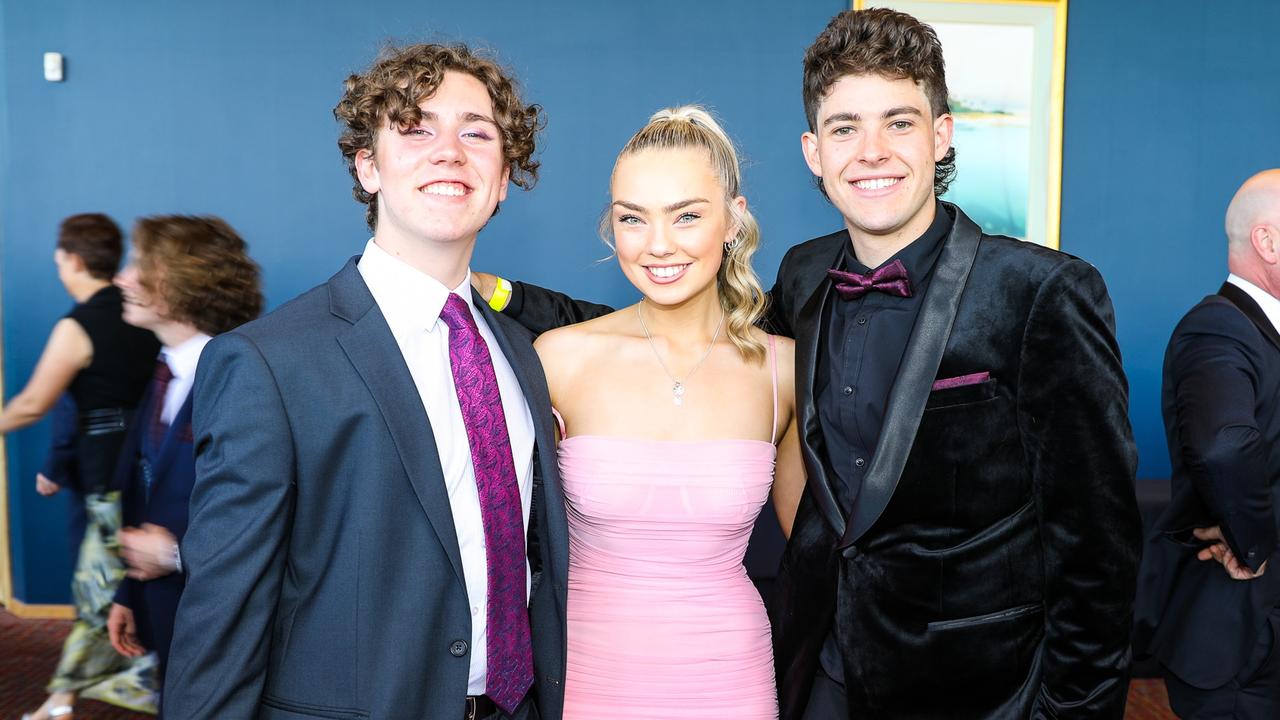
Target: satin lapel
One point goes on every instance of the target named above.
(1252, 310)
(172, 441)
(915, 378)
(528, 370)
(375, 355)
(809, 332)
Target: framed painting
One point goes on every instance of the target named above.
(1006, 62)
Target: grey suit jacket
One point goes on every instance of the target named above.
(324, 578)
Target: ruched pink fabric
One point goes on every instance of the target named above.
(663, 620)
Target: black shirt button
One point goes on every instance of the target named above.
(862, 321)
(458, 648)
(859, 462)
(848, 390)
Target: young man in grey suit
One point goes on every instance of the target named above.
(377, 529)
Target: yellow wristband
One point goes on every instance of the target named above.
(501, 295)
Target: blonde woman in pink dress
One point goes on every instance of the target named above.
(675, 411)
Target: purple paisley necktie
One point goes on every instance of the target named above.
(891, 279)
(509, 656)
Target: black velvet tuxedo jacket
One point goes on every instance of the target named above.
(324, 577)
(986, 567)
(1221, 401)
(155, 602)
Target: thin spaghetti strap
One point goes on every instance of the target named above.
(773, 360)
(559, 421)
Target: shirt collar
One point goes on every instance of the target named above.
(918, 257)
(1270, 305)
(183, 357)
(409, 299)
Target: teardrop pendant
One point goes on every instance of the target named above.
(677, 393)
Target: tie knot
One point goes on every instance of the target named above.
(163, 374)
(457, 314)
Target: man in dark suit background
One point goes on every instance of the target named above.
(377, 529)
(967, 543)
(188, 279)
(1215, 629)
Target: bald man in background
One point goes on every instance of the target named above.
(1215, 626)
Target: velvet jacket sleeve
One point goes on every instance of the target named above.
(540, 309)
(1216, 429)
(1073, 417)
(235, 546)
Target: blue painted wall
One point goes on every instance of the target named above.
(1170, 106)
(225, 108)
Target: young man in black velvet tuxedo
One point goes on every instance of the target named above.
(1215, 629)
(967, 542)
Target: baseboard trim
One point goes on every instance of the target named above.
(41, 612)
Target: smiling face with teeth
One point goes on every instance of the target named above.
(670, 223)
(437, 183)
(875, 148)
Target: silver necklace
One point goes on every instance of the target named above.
(677, 386)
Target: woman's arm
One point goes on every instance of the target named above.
(788, 473)
(67, 352)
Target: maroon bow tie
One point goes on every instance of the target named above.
(891, 279)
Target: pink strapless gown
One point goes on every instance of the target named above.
(663, 620)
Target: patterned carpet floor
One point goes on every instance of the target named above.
(29, 650)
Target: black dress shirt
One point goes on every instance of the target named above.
(865, 339)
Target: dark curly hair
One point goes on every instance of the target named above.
(200, 269)
(884, 42)
(96, 240)
(401, 79)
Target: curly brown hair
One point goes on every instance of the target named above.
(401, 79)
(96, 240)
(884, 42)
(200, 269)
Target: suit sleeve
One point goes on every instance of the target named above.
(1216, 431)
(60, 465)
(777, 316)
(235, 546)
(1073, 416)
(539, 309)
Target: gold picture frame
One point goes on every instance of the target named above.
(1006, 70)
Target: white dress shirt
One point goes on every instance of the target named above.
(411, 302)
(1269, 304)
(182, 360)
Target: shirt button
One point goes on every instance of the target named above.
(859, 462)
(848, 390)
(862, 321)
(458, 648)
(475, 610)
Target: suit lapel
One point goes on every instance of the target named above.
(809, 332)
(528, 370)
(1252, 310)
(915, 378)
(376, 357)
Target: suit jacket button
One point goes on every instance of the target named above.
(851, 552)
(458, 648)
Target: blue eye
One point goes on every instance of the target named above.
(477, 135)
(628, 220)
(842, 130)
(687, 217)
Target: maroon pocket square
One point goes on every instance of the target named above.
(961, 381)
